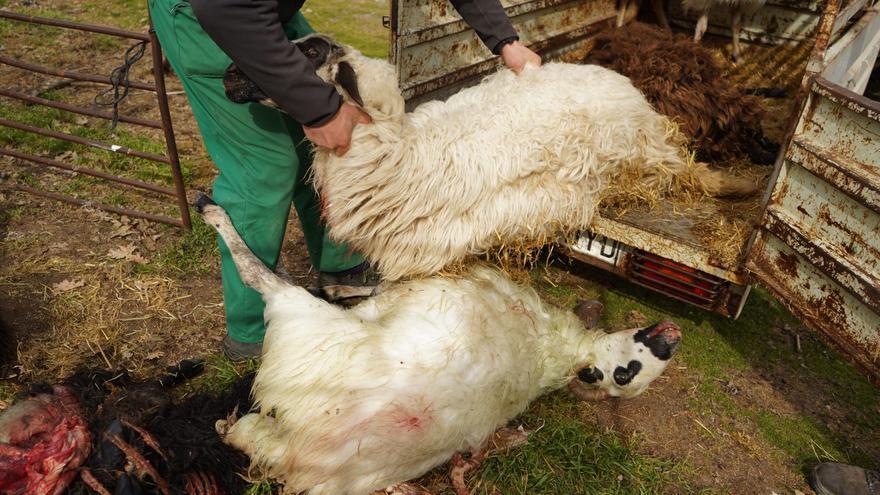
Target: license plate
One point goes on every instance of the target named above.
(598, 247)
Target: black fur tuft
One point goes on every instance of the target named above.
(202, 201)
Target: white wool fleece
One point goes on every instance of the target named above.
(513, 159)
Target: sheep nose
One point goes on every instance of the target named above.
(662, 339)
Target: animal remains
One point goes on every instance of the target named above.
(513, 159)
(354, 400)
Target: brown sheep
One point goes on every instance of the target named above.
(683, 81)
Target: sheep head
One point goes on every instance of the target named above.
(626, 362)
(367, 82)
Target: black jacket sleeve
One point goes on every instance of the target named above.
(250, 32)
(488, 19)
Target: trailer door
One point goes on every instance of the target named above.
(818, 248)
(437, 54)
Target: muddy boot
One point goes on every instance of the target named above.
(237, 352)
(832, 478)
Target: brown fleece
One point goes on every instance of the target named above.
(683, 81)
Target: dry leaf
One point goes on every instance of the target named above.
(122, 252)
(154, 355)
(127, 253)
(136, 258)
(68, 284)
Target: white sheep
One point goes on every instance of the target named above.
(354, 400)
(511, 160)
(736, 9)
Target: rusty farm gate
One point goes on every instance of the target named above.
(119, 86)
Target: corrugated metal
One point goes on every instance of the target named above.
(777, 22)
(437, 54)
(818, 248)
(850, 60)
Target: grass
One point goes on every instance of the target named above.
(360, 26)
(192, 253)
(566, 456)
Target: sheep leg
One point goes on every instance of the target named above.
(660, 13)
(702, 25)
(253, 272)
(735, 26)
(503, 439)
(621, 12)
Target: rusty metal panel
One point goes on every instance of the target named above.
(851, 59)
(436, 53)
(779, 21)
(818, 248)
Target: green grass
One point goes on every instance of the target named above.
(219, 375)
(358, 24)
(191, 253)
(263, 488)
(567, 456)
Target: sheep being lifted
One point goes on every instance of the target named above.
(354, 400)
(511, 160)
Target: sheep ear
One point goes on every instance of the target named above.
(347, 78)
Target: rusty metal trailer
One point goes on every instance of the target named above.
(817, 245)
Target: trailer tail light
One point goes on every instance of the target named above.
(676, 280)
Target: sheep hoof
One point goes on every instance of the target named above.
(202, 201)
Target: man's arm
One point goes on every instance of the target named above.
(492, 25)
(250, 32)
(488, 19)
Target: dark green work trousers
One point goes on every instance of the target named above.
(262, 157)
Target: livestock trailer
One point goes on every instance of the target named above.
(815, 238)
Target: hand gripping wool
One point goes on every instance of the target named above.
(354, 400)
(511, 160)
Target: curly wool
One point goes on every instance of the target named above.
(511, 159)
(683, 81)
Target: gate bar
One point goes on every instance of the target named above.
(122, 33)
(77, 109)
(77, 76)
(113, 209)
(88, 171)
(167, 127)
(87, 142)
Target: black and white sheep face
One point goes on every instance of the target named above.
(325, 56)
(628, 361)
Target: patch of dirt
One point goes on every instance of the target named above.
(736, 463)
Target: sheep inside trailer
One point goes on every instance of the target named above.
(808, 239)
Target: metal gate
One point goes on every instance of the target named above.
(158, 86)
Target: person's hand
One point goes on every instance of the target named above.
(336, 134)
(516, 55)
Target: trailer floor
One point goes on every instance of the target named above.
(723, 227)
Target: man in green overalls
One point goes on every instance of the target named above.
(261, 152)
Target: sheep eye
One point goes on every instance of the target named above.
(312, 53)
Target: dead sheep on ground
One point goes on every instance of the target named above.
(355, 400)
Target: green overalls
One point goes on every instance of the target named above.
(263, 161)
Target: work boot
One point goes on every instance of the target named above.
(833, 478)
(237, 352)
(360, 281)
